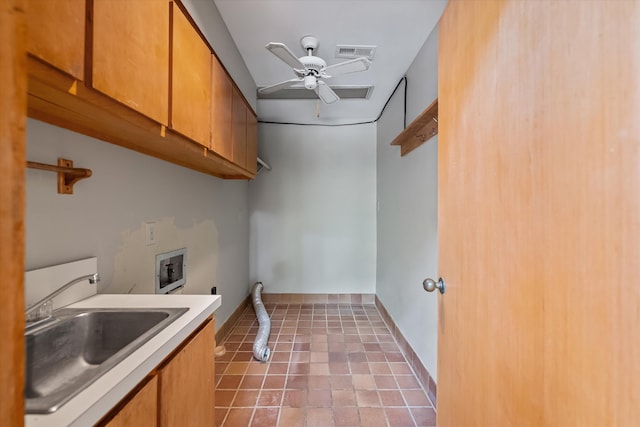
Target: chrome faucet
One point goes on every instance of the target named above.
(92, 278)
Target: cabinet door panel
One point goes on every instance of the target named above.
(187, 383)
(141, 410)
(131, 54)
(190, 81)
(252, 142)
(221, 110)
(56, 33)
(239, 130)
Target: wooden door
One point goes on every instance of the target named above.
(131, 54)
(539, 213)
(13, 104)
(252, 142)
(141, 410)
(187, 383)
(56, 33)
(221, 110)
(239, 130)
(190, 80)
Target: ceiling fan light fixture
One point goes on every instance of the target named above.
(310, 82)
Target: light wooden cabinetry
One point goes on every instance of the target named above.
(239, 129)
(137, 74)
(221, 109)
(179, 392)
(130, 54)
(190, 80)
(141, 410)
(252, 142)
(46, 40)
(187, 390)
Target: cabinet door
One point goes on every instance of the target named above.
(190, 80)
(221, 110)
(131, 54)
(252, 142)
(239, 130)
(56, 33)
(187, 383)
(141, 410)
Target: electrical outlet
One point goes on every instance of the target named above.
(150, 233)
(214, 291)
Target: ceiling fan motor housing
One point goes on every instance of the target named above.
(313, 64)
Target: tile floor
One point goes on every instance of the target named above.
(331, 365)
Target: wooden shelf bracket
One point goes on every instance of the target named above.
(67, 174)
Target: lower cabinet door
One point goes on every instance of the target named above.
(187, 383)
(141, 410)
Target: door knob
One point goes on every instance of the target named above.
(430, 285)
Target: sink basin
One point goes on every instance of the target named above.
(71, 351)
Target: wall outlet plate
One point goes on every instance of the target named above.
(150, 233)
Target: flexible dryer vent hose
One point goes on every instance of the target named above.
(260, 350)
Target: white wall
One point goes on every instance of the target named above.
(106, 214)
(312, 217)
(407, 219)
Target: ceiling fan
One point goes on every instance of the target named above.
(310, 70)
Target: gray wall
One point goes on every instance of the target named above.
(106, 214)
(313, 215)
(407, 218)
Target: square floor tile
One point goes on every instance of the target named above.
(332, 364)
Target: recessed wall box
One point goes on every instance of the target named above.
(171, 270)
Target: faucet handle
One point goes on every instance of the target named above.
(41, 313)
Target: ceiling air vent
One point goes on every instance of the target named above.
(353, 51)
(299, 92)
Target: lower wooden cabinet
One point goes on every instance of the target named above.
(187, 383)
(180, 392)
(141, 410)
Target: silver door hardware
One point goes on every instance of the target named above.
(430, 285)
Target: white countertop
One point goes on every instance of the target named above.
(90, 405)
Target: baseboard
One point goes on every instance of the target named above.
(226, 327)
(423, 375)
(368, 299)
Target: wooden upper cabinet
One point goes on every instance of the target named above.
(221, 110)
(190, 80)
(141, 410)
(131, 54)
(56, 33)
(252, 142)
(239, 129)
(187, 383)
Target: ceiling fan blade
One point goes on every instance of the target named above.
(325, 93)
(351, 66)
(283, 52)
(278, 86)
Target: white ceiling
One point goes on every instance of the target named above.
(398, 29)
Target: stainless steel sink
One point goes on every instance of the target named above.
(76, 347)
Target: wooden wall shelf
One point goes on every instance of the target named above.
(420, 130)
